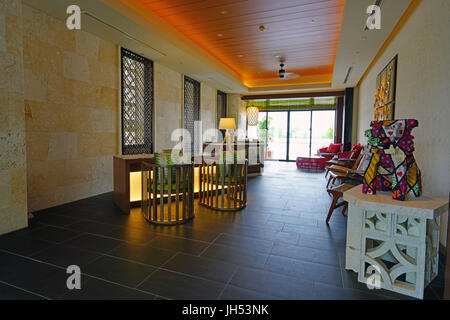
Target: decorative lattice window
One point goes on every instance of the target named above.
(191, 110)
(137, 103)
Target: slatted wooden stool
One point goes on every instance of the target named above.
(167, 193)
(223, 186)
(337, 193)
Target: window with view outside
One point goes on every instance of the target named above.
(292, 128)
(322, 129)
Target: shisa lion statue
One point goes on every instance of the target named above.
(392, 166)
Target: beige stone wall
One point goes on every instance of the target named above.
(168, 90)
(71, 91)
(208, 107)
(237, 109)
(423, 48)
(67, 81)
(168, 97)
(13, 185)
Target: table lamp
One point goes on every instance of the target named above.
(227, 124)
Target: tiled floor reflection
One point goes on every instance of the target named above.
(279, 247)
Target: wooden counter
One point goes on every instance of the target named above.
(123, 165)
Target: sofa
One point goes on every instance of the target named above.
(332, 150)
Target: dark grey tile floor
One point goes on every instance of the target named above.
(279, 247)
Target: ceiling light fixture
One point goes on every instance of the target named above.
(252, 115)
(220, 35)
(224, 12)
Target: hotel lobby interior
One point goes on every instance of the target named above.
(224, 150)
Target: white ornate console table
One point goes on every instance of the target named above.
(399, 240)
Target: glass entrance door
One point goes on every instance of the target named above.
(291, 134)
(299, 134)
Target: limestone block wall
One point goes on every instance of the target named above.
(168, 100)
(59, 97)
(71, 92)
(208, 107)
(13, 165)
(237, 109)
(168, 90)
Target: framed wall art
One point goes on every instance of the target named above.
(384, 105)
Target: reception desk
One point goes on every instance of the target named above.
(254, 152)
(127, 179)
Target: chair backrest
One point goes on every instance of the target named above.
(358, 160)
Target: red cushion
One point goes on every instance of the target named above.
(357, 147)
(334, 148)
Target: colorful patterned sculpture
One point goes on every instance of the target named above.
(392, 165)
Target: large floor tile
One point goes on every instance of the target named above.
(307, 254)
(118, 270)
(8, 292)
(93, 243)
(305, 270)
(95, 289)
(236, 256)
(236, 293)
(251, 244)
(143, 254)
(65, 256)
(181, 287)
(54, 234)
(23, 245)
(193, 247)
(329, 292)
(201, 267)
(273, 284)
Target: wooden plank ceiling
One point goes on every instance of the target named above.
(303, 32)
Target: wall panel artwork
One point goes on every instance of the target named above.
(384, 105)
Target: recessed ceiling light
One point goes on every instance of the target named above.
(277, 56)
(220, 35)
(363, 38)
(224, 12)
(240, 55)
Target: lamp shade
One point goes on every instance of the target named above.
(227, 124)
(252, 116)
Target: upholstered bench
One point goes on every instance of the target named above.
(312, 163)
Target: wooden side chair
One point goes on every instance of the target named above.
(337, 193)
(338, 171)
